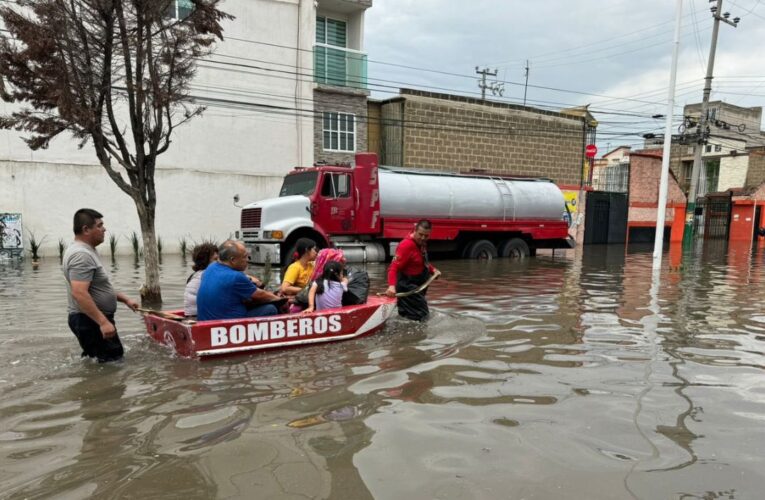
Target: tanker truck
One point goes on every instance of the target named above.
(367, 209)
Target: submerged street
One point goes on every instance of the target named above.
(551, 377)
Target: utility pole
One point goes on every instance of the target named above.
(482, 82)
(703, 132)
(525, 87)
(658, 243)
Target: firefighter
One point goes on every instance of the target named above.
(409, 270)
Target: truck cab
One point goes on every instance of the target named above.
(330, 204)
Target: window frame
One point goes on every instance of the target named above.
(349, 134)
(174, 9)
(323, 20)
(332, 179)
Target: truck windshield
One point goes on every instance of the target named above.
(302, 183)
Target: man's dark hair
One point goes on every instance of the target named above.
(424, 224)
(201, 255)
(228, 250)
(85, 217)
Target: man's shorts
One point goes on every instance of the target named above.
(93, 344)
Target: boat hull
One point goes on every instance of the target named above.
(226, 337)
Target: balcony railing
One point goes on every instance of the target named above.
(339, 66)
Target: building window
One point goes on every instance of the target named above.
(685, 176)
(331, 31)
(179, 9)
(718, 148)
(708, 148)
(331, 58)
(339, 132)
(712, 175)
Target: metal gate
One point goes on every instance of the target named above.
(716, 216)
(605, 218)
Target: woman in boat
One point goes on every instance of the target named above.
(327, 291)
(299, 272)
(203, 255)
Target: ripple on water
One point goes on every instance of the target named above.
(533, 379)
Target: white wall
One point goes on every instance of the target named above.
(192, 205)
(732, 172)
(235, 147)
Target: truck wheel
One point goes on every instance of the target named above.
(481, 250)
(514, 248)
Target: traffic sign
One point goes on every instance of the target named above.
(590, 150)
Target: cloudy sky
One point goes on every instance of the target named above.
(614, 55)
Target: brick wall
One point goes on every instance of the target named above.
(645, 175)
(462, 134)
(341, 101)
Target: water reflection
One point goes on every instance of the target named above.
(549, 377)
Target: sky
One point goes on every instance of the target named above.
(614, 55)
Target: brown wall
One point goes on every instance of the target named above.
(755, 175)
(374, 132)
(450, 133)
(645, 175)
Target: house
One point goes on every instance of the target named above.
(732, 175)
(643, 188)
(285, 88)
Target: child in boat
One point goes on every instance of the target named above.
(327, 291)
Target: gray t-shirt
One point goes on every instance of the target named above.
(81, 263)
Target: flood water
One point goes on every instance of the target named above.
(549, 378)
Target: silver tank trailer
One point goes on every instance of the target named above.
(407, 194)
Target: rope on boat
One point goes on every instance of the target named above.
(419, 288)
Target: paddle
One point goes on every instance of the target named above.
(419, 288)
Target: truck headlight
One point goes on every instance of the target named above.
(273, 235)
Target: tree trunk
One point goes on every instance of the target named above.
(151, 294)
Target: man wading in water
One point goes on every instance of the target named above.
(92, 300)
(410, 269)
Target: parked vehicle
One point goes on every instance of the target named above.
(367, 209)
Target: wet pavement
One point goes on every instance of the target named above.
(548, 378)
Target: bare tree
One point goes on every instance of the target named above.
(114, 73)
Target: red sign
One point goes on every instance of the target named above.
(590, 151)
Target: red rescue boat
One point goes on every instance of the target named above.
(189, 338)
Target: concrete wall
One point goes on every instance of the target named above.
(257, 126)
(732, 172)
(194, 205)
(455, 133)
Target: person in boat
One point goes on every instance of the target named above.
(410, 269)
(203, 255)
(327, 291)
(299, 272)
(226, 292)
(92, 299)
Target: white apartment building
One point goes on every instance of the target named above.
(287, 87)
